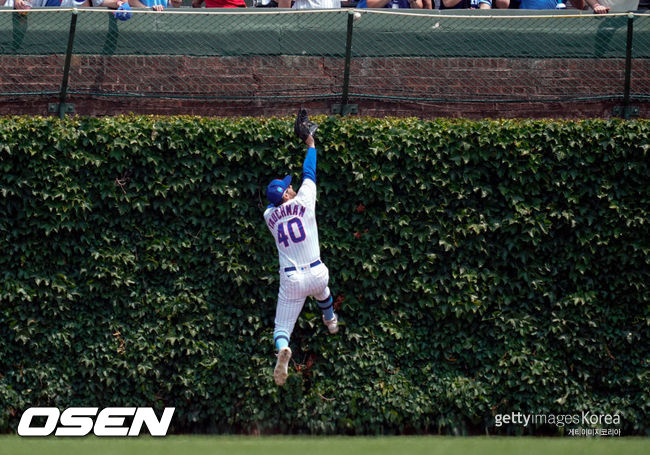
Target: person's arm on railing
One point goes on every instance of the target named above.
(110, 4)
(139, 4)
(21, 4)
(597, 7)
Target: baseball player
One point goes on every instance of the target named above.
(291, 218)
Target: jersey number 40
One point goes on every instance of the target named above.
(294, 228)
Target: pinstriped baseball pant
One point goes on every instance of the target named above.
(295, 287)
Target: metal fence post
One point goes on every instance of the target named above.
(62, 107)
(627, 111)
(344, 108)
(628, 65)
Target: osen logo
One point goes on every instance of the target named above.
(81, 421)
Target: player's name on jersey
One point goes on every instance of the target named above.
(284, 211)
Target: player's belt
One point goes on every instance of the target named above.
(313, 264)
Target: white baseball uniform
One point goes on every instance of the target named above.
(302, 274)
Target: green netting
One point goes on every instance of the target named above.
(180, 33)
(483, 35)
(376, 34)
(251, 54)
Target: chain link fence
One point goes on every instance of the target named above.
(342, 57)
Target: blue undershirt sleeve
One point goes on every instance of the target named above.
(309, 166)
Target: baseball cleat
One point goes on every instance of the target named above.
(332, 325)
(281, 371)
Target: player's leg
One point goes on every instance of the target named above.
(326, 305)
(322, 294)
(290, 303)
(286, 315)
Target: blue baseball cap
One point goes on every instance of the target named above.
(276, 189)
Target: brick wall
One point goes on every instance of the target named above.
(275, 85)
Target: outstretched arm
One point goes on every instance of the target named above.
(309, 165)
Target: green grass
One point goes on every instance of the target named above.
(279, 445)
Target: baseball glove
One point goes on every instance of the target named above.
(302, 127)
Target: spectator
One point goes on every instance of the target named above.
(549, 4)
(27, 4)
(506, 4)
(156, 5)
(616, 6)
(537, 4)
(64, 3)
(310, 4)
(219, 3)
(597, 7)
(465, 4)
(110, 4)
(390, 4)
(19, 4)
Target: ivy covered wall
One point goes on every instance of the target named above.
(478, 267)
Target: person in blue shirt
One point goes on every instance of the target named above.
(390, 4)
(465, 4)
(156, 5)
(541, 4)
